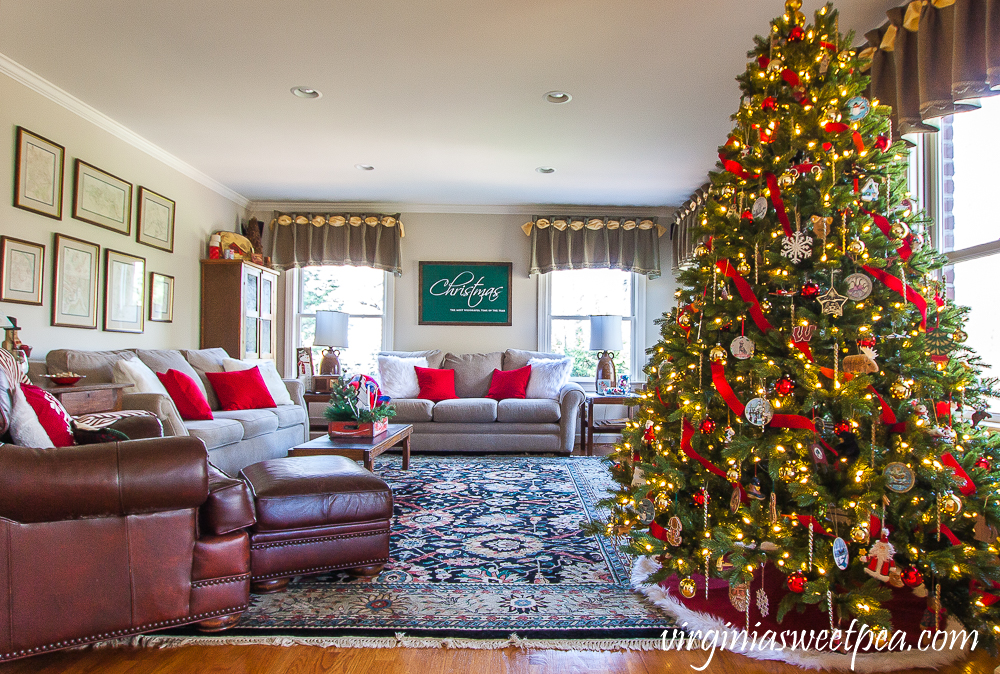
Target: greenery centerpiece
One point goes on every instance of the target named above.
(357, 407)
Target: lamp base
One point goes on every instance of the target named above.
(330, 365)
(606, 372)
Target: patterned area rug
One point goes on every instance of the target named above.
(481, 548)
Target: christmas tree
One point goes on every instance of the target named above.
(811, 407)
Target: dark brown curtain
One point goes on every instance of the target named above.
(630, 244)
(312, 239)
(934, 58)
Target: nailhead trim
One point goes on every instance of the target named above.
(148, 627)
(220, 581)
(317, 569)
(318, 539)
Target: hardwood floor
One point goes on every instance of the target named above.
(308, 659)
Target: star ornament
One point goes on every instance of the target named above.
(832, 302)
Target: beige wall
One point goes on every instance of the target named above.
(199, 212)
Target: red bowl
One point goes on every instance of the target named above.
(65, 381)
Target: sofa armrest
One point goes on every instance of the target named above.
(296, 389)
(110, 479)
(160, 405)
(228, 507)
(571, 396)
(139, 428)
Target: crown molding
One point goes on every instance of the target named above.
(262, 207)
(19, 73)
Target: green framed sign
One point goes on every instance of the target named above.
(465, 293)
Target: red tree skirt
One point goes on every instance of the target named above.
(717, 613)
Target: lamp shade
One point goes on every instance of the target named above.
(605, 333)
(331, 329)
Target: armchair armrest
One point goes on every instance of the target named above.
(160, 405)
(296, 389)
(109, 479)
(571, 396)
(228, 507)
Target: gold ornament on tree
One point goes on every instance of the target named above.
(899, 390)
(717, 354)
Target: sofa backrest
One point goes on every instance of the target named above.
(515, 359)
(96, 366)
(473, 372)
(161, 360)
(207, 360)
(435, 357)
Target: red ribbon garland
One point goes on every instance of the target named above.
(779, 205)
(735, 168)
(686, 434)
(746, 293)
(912, 295)
(790, 76)
(968, 488)
(658, 532)
(804, 348)
(811, 522)
(859, 142)
(905, 250)
(724, 389)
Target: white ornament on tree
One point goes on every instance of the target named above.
(797, 247)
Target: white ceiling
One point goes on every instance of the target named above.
(443, 97)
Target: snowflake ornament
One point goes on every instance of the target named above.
(797, 247)
(762, 602)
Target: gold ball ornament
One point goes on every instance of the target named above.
(960, 336)
(733, 475)
(951, 504)
(728, 191)
(856, 247)
(662, 501)
(899, 230)
(717, 354)
(830, 115)
(859, 534)
(899, 390)
(786, 472)
(743, 268)
(684, 320)
(700, 250)
(688, 587)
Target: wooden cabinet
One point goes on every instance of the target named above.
(238, 308)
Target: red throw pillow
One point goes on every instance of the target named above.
(436, 385)
(509, 383)
(242, 390)
(51, 414)
(188, 398)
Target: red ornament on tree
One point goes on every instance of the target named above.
(708, 426)
(911, 577)
(768, 103)
(796, 34)
(809, 289)
(784, 386)
(747, 215)
(868, 342)
(983, 462)
(797, 582)
(882, 143)
(700, 497)
(841, 427)
(762, 61)
(650, 433)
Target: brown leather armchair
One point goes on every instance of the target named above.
(106, 540)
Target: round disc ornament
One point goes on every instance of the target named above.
(759, 209)
(646, 511)
(759, 412)
(841, 556)
(688, 587)
(859, 287)
(742, 347)
(899, 477)
(858, 108)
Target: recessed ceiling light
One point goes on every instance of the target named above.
(364, 167)
(545, 169)
(306, 92)
(558, 97)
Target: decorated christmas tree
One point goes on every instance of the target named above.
(811, 410)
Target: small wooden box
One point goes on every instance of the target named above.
(323, 383)
(352, 429)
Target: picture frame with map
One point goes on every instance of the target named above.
(21, 266)
(74, 283)
(38, 174)
(155, 224)
(124, 292)
(161, 298)
(101, 199)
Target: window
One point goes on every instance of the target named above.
(567, 299)
(362, 292)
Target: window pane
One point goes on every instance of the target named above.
(356, 290)
(364, 336)
(572, 337)
(586, 292)
(973, 288)
(976, 146)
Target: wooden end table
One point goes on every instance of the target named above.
(588, 424)
(89, 398)
(365, 449)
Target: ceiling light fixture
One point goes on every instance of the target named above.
(306, 92)
(545, 169)
(364, 167)
(558, 97)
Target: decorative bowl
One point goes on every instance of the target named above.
(64, 378)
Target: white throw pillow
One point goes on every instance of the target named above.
(548, 376)
(25, 428)
(272, 380)
(134, 371)
(397, 376)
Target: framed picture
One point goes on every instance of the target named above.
(465, 293)
(101, 198)
(161, 298)
(38, 174)
(124, 291)
(155, 226)
(21, 265)
(74, 283)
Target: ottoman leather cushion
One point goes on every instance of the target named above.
(315, 491)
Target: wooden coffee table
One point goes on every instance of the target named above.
(365, 449)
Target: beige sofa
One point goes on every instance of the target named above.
(234, 439)
(475, 423)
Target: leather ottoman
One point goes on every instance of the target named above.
(315, 514)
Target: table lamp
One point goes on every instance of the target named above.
(605, 338)
(331, 332)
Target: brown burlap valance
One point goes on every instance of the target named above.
(311, 239)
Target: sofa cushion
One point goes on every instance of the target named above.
(434, 357)
(94, 365)
(466, 410)
(207, 360)
(215, 433)
(541, 410)
(272, 380)
(397, 377)
(509, 383)
(548, 377)
(188, 398)
(241, 390)
(473, 372)
(412, 410)
(514, 359)
(435, 384)
(135, 372)
(255, 422)
(161, 360)
(289, 415)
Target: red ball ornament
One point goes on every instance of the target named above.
(882, 143)
(797, 582)
(983, 462)
(768, 103)
(868, 342)
(911, 577)
(762, 61)
(784, 386)
(700, 497)
(747, 215)
(841, 427)
(809, 289)
(708, 426)
(796, 34)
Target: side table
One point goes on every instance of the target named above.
(90, 398)
(318, 425)
(588, 423)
